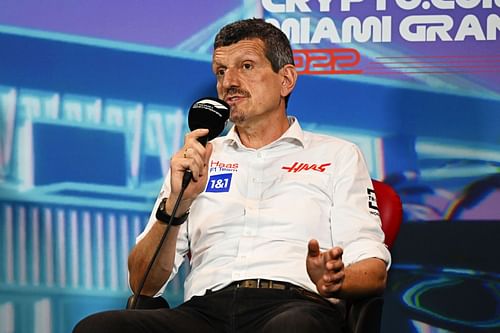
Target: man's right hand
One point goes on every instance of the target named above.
(192, 156)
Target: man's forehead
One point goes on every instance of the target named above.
(244, 47)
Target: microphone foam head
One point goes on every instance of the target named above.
(211, 113)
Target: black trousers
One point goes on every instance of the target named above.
(228, 310)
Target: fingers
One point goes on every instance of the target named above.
(333, 275)
(313, 248)
(325, 269)
(196, 134)
(208, 153)
(194, 156)
(333, 255)
(194, 161)
(333, 259)
(331, 284)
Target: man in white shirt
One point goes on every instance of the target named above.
(277, 221)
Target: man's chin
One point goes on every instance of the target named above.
(236, 117)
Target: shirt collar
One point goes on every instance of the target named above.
(293, 134)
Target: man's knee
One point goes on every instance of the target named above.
(303, 319)
(109, 322)
(293, 320)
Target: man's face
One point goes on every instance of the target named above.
(246, 81)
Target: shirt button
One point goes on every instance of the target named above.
(259, 154)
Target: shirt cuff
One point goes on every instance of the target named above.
(364, 249)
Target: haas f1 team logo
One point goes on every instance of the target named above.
(297, 167)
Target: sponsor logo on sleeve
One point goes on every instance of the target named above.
(372, 202)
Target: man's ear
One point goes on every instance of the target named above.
(288, 79)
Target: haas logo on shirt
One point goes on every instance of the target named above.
(297, 167)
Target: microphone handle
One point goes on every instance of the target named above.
(203, 140)
(186, 178)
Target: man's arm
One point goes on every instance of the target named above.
(141, 255)
(364, 278)
(193, 156)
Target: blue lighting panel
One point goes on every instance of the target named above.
(78, 154)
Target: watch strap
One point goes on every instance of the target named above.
(163, 217)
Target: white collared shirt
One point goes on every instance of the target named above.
(262, 206)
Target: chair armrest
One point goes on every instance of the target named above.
(365, 315)
(149, 303)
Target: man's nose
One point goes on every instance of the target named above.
(231, 78)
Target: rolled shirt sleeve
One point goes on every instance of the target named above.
(356, 225)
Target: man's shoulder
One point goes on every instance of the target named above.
(316, 138)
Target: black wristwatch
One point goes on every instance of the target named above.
(163, 217)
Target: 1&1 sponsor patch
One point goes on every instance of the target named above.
(219, 183)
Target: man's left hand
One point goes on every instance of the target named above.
(325, 269)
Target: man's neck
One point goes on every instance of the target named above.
(259, 134)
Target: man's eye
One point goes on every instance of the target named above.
(220, 72)
(247, 66)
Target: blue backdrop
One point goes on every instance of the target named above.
(93, 101)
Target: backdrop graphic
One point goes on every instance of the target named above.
(93, 101)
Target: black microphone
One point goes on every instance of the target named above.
(211, 113)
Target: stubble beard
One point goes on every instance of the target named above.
(236, 116)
